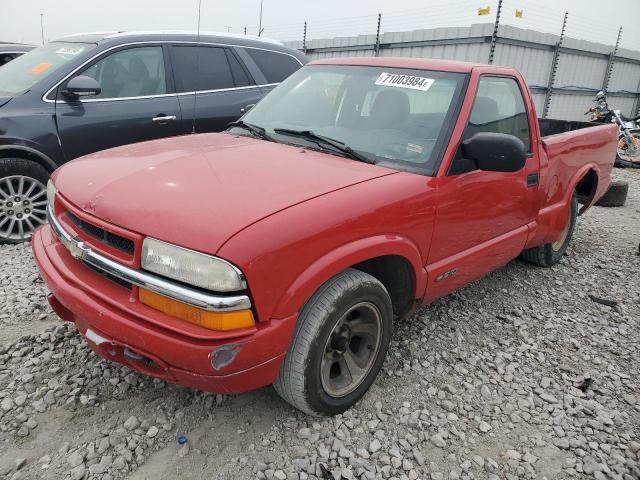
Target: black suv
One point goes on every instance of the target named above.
(89, 92)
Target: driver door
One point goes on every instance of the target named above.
(482, 217)
(137, 103)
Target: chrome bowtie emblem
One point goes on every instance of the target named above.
(77, 250)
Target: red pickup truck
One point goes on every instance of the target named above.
(282, 250)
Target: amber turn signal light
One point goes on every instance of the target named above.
(223, 321)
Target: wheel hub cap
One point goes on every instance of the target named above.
(351, 349)
(23, 203)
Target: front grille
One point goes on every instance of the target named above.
(113, 278)
(116, 241)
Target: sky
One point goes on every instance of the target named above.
(283, 19)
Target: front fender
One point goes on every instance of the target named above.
(345, 256)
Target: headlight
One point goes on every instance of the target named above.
(191, 267)
(51, 193)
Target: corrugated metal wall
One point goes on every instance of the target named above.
(581, 72)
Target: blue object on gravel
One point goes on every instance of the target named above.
(182, 439)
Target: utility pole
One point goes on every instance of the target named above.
(260, 22)
(42, 27)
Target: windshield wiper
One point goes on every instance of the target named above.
(254, 129)
(321, 139)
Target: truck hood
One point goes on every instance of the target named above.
(198, 190)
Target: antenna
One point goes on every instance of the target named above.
(42, 27)
(195, 94)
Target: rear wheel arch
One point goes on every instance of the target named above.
(585, 188)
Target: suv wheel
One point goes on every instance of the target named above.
(339, 345)
(23, 199)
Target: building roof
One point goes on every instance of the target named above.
(403, 62)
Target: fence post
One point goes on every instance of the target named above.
(494, 37)
(554, 68)
(376, 48)
(304, 39)
(609, 70)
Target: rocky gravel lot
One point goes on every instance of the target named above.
(521, 375)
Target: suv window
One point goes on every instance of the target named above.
(135, 72)
(202, 68)
(7, 57)
(499, 107)
(21, 74)
(274, 66)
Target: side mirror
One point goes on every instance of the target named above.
(495, 152)
(81, 86)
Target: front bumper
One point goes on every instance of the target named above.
(121, 329)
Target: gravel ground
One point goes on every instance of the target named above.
(520, 375)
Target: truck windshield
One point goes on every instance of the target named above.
(389, 116)
(25, 71)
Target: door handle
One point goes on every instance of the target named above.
(164, 118)
(246, 108)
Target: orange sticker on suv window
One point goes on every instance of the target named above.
(40, 68)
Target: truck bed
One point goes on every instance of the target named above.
(550, 126)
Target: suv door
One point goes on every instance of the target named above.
(137, 103)
(482, 217)
(213, 85)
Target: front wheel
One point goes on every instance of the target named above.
(551, 253)
(339, 345)
(23, 199)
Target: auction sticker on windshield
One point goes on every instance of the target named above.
(70, 50)
(404, 81)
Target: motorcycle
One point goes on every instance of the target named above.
(628, 151)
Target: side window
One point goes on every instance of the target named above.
(135, 72)
(240, 77)
(499, 107)
(200, 68)
(7, 57)
(274, 66)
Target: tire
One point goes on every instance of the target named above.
(23, 188)
(616, 196)
(309, 379)
(619, 163)
(549, 254)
